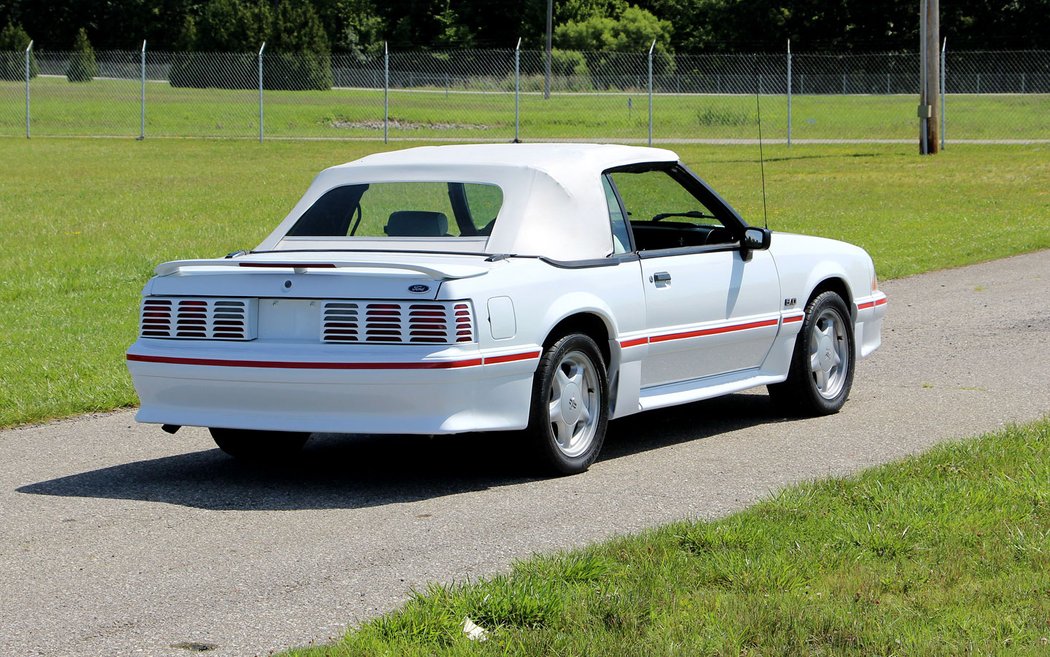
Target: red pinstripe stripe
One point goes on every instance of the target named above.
(871, 304)
(711, 331)
(633, 343)
(714, 331)
(492, 360)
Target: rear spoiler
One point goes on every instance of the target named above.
(446, 272)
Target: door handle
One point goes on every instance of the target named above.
(661, 277)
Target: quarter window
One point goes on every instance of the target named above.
(621, 234)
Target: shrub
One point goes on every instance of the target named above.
(13, 42)
(568, 63)
(82, 64)
(215, 70)
(297, 71)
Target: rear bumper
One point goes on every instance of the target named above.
(329, 388)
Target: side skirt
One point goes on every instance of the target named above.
(684, 392)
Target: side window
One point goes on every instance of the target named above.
(621, 234)
(665, 215)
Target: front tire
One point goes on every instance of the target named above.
(570, 409)
(821, 373)
(259, 446)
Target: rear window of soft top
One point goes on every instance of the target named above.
(402, 209)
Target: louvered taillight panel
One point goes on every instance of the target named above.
(199, 318)
(342, 321)
(397, 322)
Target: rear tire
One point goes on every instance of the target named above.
(570, 407)
(821, 373)
(259, 446)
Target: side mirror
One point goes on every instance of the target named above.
(755, 239)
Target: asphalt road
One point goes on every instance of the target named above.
(117, 539)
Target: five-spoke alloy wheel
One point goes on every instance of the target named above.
(821, 372)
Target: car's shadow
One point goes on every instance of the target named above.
(363, 471)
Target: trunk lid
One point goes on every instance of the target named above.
(316, 275)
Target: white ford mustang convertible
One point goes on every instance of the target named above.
(539, 288)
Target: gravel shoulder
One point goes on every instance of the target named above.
(119, 539)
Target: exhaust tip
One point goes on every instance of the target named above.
(170, 428)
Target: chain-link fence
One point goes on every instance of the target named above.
(502, 95)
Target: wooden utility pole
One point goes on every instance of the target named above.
(930, 76)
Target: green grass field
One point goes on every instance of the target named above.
(947, 553)
(112, 108)
(85, 222)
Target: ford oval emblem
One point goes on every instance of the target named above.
(419, 288)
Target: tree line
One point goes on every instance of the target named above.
(362, 26)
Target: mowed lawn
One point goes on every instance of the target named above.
(106, 107)
(85, 221)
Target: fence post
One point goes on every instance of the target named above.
(548, 54)
(386, 91)
(261, 49)
(789, 92)
(517, 92)
(29, 53)
(651, 92)
(142, 94)
(944, 78)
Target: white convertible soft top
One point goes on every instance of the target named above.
(553, 200)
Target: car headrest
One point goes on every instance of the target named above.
(416, 223)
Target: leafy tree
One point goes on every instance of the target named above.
(453, 33)
(301, 56)
(577, 11)
(634, 30)
(224, 26)
(352, 26)
(298, 55)
(82, 65)
(233, 26)
(186, 37)
(360, 26)
(612, 46)
(13, 42)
